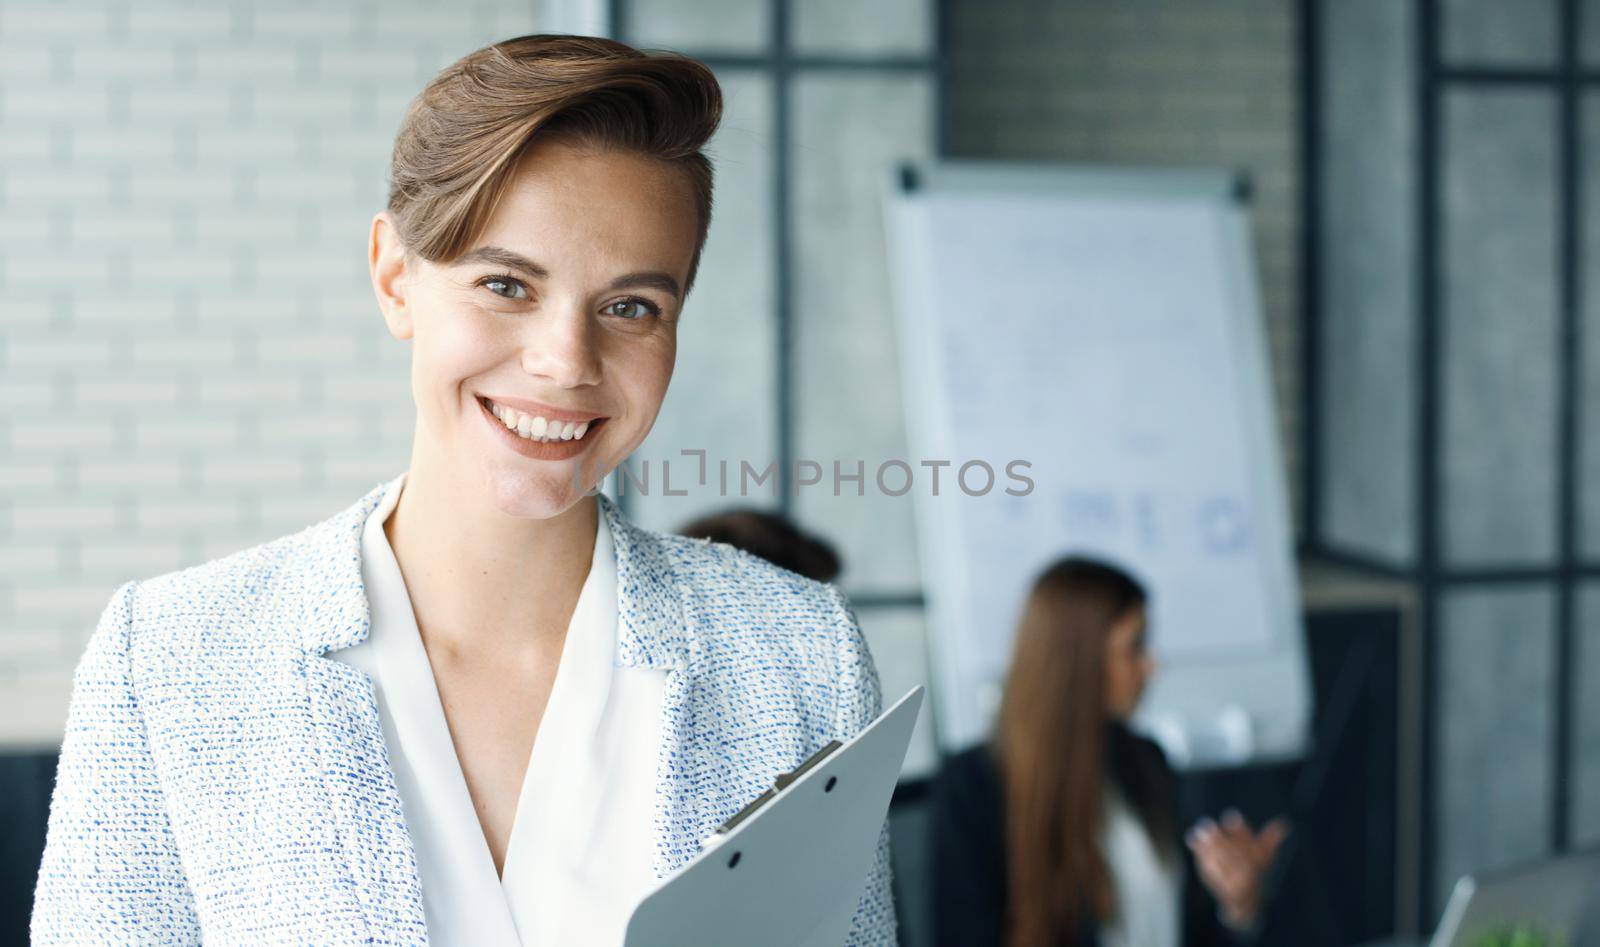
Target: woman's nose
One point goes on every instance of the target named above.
(561, 346)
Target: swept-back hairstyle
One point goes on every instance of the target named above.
(1056, 750)
(462, 135)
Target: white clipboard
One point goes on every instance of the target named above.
(791, 871)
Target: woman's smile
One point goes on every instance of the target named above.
(536, 436)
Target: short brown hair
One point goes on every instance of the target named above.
(462, 135)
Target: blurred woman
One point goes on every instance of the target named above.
(1062, 829)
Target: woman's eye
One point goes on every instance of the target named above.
(650, 308)
(515, 285)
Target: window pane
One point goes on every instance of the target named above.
(1497, 33)
(722, 398)
(1589, 32)
(1368, 278)
(1589, 377)
(1585, 788)
(897, 638)
(879, 28)
(700, 26)
(850, 131)
(1492, 726)
(1498, 297)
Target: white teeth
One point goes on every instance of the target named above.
(539, 429)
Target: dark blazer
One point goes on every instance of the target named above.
(969, 870)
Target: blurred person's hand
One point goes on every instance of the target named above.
(1232, 859)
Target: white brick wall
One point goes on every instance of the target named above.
(191, 360)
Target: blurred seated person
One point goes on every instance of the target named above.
(1062, 829)
(770, 536)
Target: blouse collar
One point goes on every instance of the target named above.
(321, 568)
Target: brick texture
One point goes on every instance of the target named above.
(191, 359)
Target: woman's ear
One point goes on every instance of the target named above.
(386, 258)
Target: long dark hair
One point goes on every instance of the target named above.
(1055, 746)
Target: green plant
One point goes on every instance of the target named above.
(1518, 935)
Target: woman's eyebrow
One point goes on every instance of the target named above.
(654, 279)
(510, 258)
(503, 257)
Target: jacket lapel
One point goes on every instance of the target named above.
(324, 581)
(651, 628)
(654, 631)
(323, 597)
(325, 601)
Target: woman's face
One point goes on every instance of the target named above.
(568, 301)
(1129, 665)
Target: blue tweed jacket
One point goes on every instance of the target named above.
(221, 780)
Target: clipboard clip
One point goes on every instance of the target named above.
(778, 785)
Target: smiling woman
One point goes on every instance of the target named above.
(479, 705)
(565, 309)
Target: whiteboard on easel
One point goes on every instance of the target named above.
(1098, 332)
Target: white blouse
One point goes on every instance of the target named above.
(582, 841)
(1149, 891)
